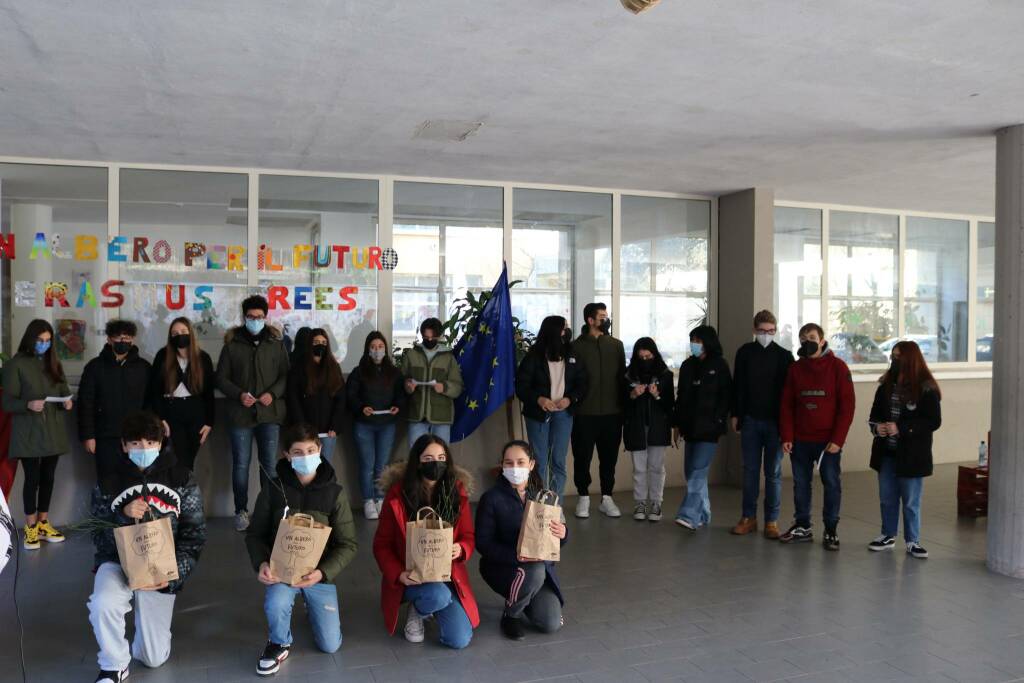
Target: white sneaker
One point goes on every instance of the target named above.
(608, 507)
(583, 507)
(370, 509)
(241, 521)
(414, 626)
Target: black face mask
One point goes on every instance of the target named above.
(180, 341)
(433, 470)
(319, 350)
(121, 347)
(807, 349)
(606, 326)
(566, 336)
(429, 344)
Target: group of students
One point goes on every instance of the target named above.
(145, 423)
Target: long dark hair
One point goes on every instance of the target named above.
(195, 365)
(51, 364)
(323, 375)
(913, 377)
(300, 345)
(367, 368)
(446, 498)
(534, 483)
(549, 342)
(709, 338)
(657, 363)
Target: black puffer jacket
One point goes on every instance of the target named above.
(648, 419)
(377, 391)
(109, 390)
(918, 422)
(319, 409)
(533, 380)
(702, 403)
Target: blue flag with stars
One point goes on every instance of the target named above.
(486, 354)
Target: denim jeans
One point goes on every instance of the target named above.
(696, 506)
(321, 607)
(892, 490)
(803, 458)
(550, 441)
(759, 441)
(241, 453)
(373, 443)
(418, 429)
(437, 599)
(327, 446)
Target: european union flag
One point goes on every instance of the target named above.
(486, 354)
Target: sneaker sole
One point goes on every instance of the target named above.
(796, 539)
(52, 540)
(585, 515)
(277, 667)
(881, 549)
(832, 548)
(29, 546)
(640, 518)
(653, 518)
(685, 525)
(415, 639)
(611, 514)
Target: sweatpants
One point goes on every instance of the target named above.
(605, 432)
(109, 604)
(649, 474)
(37, 488)
(531, 595)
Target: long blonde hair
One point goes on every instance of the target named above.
(195, 365)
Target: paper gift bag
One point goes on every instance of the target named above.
(146, 552)
(299, 544)
(536, 541)
(428, 547)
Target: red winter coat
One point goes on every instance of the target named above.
(817, 401)
(389, 548)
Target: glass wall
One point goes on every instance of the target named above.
(449, 240)
(664, 268)
(318, 251)
(986, 294)
(797, 283)
(935, 287)
(561, 251)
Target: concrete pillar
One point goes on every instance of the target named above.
(746, 236)
(1006, 469)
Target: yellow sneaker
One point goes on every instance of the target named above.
(48, 533)
(31, 537)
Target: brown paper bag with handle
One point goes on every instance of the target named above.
(146, 552)
(298, 546)
(536, 541)
(428, 547)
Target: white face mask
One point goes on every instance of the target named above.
(764, 339)
(516, 475)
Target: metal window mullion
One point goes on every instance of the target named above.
(252, 230)
(616, 248)
(972, 291)
(507, 224)
(823, 285)
(901, 300)
(385, 239)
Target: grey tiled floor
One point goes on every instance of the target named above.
(646, 602)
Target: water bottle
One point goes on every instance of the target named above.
(982, 455)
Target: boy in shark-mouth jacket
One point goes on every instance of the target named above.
(147, 482)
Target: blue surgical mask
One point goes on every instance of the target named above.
(143, 457)
(696, 349)
(42, 347)
(255, 326)
(305, 464)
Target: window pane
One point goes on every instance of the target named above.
(986, 290)
(862, 279)
(561, 250)
(68, 206)
(935, 287)
(664, 263)
(797, 272)
(202, 218)
(339, 216)
(449, 241)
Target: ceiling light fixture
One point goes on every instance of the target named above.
(638, 6)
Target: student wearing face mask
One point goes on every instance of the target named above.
(550, 383)
(814, 419)
(647, 433)
(38, 428)
(429, 478)
(375, 397)
(253, 374)
(702, 408)
(530, 587)
(316, 390)
(180, 391)
(305, 483)
(433, 381)
(146, 484)
(759, 375)
(113, 385)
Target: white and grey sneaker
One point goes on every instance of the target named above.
(370, 509)
(414, 626)
(917, 550)
(241, 521)
(654, 512)
(640, 511)
(881, 543)
(271, 658)
(583, 507)
(609, 508)
(112, 676)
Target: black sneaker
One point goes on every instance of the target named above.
(917, 550)
(512, 628)
(112, 676)
(797, 534)
(830, 540)
(270, 660)
(882, 543)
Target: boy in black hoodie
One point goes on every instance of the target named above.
(146, 483)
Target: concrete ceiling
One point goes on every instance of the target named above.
(865, 102)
